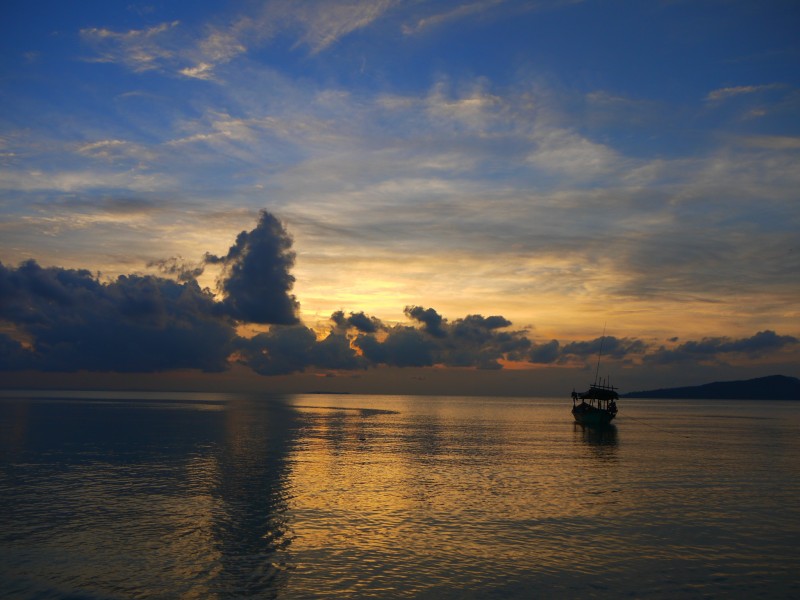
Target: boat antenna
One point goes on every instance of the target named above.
(600, 354)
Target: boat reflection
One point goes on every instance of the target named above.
(597, 436)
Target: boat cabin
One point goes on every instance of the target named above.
(600, 396)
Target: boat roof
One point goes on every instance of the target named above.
(601, 392)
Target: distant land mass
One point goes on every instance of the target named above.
(774, 387)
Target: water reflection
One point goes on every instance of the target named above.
(461, 498)
(95, 494)
(597, 436)
(250, 528)
(462, 495)
(154, 498)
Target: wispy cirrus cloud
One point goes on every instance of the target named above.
(198, 52)
(458, 11)
(465, 168)
(75, 180)
(322, 23)
(117, 151)
(461, 11)
(721, 94)
(317, 25)
(138, 49)
(169, 47)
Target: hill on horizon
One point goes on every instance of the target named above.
(773, 387)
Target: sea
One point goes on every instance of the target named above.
(111, 495)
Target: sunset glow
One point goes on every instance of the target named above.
(564, 166)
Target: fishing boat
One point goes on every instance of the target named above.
(596, 407)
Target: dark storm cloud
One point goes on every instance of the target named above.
(553, 352)
(358, 321)
(400, 346)
(335, 352)
(136, 323)
(177, 267)
(403, 347)
(13, 355)
(431, 320)
(477, 327)
(282, 350)
(546, 353)
(257, 281)
(474, 341)
(56, 319)
(609, 346)
(65, 320)
(288, 349)
(712, 348)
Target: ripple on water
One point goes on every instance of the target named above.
(417, 498)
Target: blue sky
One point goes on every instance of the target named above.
(563, 164)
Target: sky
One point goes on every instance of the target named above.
(395, 195)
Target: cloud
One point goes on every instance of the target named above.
(336, 352)
(488, 178)
(563, 151)
(13, 354)
(431, 320)
(222, 44)
(56, 319)
(116, 151)
(133, 324)
(324, 23)
(202, 70)
(198, 53)
(472, 341)
(82, 180)
(177, 267)
(138, 49)
(460, 12)
(716, 348)
(146, 323)
(773, 142)
(545, 353)
(289, 349)
(280, 351)
(478, 341)
(610, 347)
(474, 109)
(257, 280)
(169, 46)
(478, 8)
(403, 347)
(359, 321)
(740, 90)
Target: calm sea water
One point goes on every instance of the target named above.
(146, 495)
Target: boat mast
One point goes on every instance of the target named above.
(600, 354)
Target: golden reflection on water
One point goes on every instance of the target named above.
(322, 496)
(424, 491)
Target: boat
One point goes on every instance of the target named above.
(598, 405)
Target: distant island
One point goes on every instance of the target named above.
(774, 387)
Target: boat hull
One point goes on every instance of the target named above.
(591, 416)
